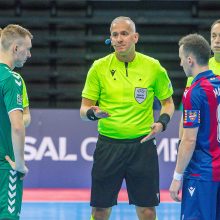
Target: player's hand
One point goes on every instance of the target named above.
(99, 113)
(174, 190)
(155, 128)
(22, 170)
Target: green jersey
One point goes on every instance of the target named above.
(213, 65)
(25, 99)
(126, 91)
(10, 100)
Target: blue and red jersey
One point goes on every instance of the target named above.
(201, 108)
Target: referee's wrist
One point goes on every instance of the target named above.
(177, 176)
(164, 120)
(91, 115)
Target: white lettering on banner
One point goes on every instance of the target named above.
(30, 151)
(47, 149)
(84, 147)
(62, 148)
(169, 149)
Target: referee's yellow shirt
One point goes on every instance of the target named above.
(126, 92)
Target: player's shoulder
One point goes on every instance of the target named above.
(17, 75)
(5, 72)
(196, 90)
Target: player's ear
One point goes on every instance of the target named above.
(14, 48)
(190, 60)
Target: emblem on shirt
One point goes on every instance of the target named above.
(113, 72)
(19, 99)
(192, 116)
(191, 190)
(140, 94)
(185, 92)
(18, 79)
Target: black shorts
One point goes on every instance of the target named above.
(115, 160)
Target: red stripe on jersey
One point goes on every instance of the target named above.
(195, 174)
(214, 144)
(187, 105)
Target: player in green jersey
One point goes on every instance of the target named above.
(15, 50)
(25, 100)
(124, 85)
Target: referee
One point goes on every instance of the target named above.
(119, 92)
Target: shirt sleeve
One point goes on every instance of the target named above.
(191, 109)
(189, 82)
(92, 86)
(163, 86)
(24, 95)
(12, 92)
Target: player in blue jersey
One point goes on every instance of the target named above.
(198, 160)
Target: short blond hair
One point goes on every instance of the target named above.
(11, 33)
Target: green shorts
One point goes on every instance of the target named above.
(11, 189)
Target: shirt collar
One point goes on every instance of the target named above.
(207, 73)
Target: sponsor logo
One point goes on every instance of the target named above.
(191, 190)
(12, 191)
(19, 99)
(17, 79)
(158, 196)
(140, 94)
(185, 92)
(113, 72)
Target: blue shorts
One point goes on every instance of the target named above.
(200, 200)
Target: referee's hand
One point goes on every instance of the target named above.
(155, 128)
(99, 113)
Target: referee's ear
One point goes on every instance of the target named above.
(136, 37)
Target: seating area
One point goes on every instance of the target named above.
(69, 35)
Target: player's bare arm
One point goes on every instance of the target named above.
(18, 136)
(186, 149)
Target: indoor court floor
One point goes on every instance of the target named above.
(73, 205)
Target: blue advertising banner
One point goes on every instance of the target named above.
(59, 150)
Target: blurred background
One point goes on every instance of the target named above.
(69, 35)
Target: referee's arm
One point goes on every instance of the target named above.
(86, 104)
(167, 106)
(89, 111)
